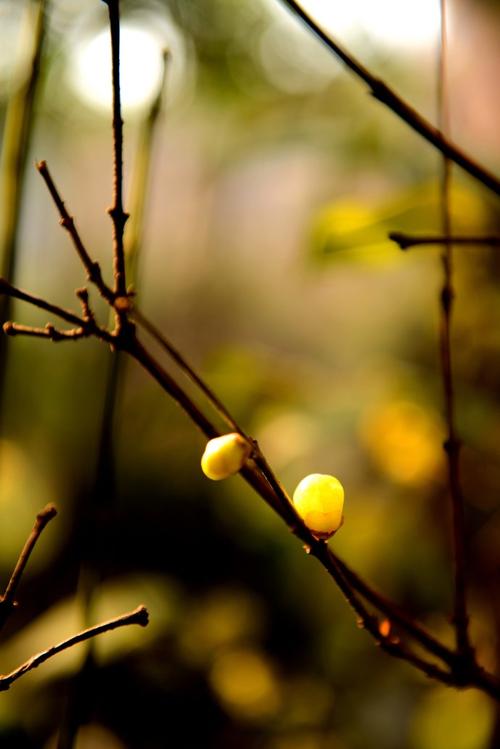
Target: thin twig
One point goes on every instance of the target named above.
(139, 190)
(383, 93)
(452, 443)
(9, 290)
(92, 268)
(405, 241)
(138, 616)
(49, 331)
(118, 215)
(7, 601)
(188, 370)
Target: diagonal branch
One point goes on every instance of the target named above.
(92, 268)
(383, 93)
(7, 601)
(138, 616)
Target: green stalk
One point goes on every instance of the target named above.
(17, 138)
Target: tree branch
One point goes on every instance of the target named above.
(138, 616)
(7, 601)
(452, 443)
(405, 241)
(92, 268)
(383, 93)
(118, 215)
(49, 331)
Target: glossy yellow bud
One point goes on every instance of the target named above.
(225, 456)
(319, 500)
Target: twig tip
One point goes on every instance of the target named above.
(141, 616)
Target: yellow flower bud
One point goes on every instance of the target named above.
(225, 456)
(319, 500)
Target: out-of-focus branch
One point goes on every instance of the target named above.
(452, 444)
(17, 135)
(7, 601)
(405, 241)
(138, 616)
(383, 93)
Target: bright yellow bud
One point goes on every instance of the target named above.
(225, 456)
(319, 500)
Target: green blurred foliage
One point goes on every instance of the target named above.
(266, 259)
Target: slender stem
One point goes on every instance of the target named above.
(452, 444)
(141, 179)
(383, 93)
(118, 215)
(12, 291)
(188, 370)
(138, 616)
(405, 241)
(67, 222)
(140, 354)
(7, 601)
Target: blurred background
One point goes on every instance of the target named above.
(275, 180)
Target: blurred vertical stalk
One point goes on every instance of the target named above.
(452, 443)
(99, 509)
(17, 138)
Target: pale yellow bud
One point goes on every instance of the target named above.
(319, 500)
(225, 456)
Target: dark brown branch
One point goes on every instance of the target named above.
(118, 215)
(89, 326)
(138, 616)
(405, 241)
(258, 474)
(452, 443)
(381, 91)
(7, 601)
(12, 291)
(92, 268)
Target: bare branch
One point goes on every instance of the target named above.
(138, 616)
(92, 268)
(9, 290)
(49, 331)
(405, 241)
(7, 601)
(118, 215)
(452, 444)
(383, 93)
